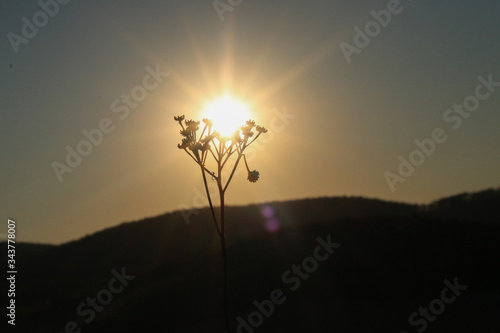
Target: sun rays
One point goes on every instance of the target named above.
(227, 113)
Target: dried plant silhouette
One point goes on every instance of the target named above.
(221, 149)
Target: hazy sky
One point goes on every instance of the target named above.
(353, 103)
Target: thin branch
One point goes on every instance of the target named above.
(215, 147)
(204, 157)
(230, 152)
(210, 202)
(215, 158)
(211, 173)
(246, 164)
(220, 150)
(255, 138)
(185, 149)
(232, 173)
(204, 128)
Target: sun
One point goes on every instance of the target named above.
(227, 114)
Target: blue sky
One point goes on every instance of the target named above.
(348, 122)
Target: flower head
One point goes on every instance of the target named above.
(216, 135)
(253, 176)
(192, 125)
(205, 146)
(208, 122)
(247, 131)
(261, 129)
(186, 143)
(208, 138)
(186, 133)
(195, 146)
(179, 118)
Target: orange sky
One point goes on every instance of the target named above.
(336, 127)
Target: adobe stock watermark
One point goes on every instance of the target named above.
(293, 278)
(278, 123)
(222, 6)
(87, 309)
(30, 28)
(121, 106)
(454, 117)
(372, 29)
(425, 315)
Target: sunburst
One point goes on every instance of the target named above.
(227, 114)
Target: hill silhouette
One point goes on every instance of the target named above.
(393, 259)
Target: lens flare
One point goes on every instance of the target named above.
(272, 224)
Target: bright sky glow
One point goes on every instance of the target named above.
(227, 114)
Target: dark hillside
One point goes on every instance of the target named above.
(392, 260)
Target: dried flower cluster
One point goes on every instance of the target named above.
(210, 142)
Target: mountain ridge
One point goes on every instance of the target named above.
(393, 257)
(451, 207)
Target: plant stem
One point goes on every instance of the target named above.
(224, 258)
(232, 172)
(209, 200)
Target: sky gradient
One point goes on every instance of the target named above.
(337, 125)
